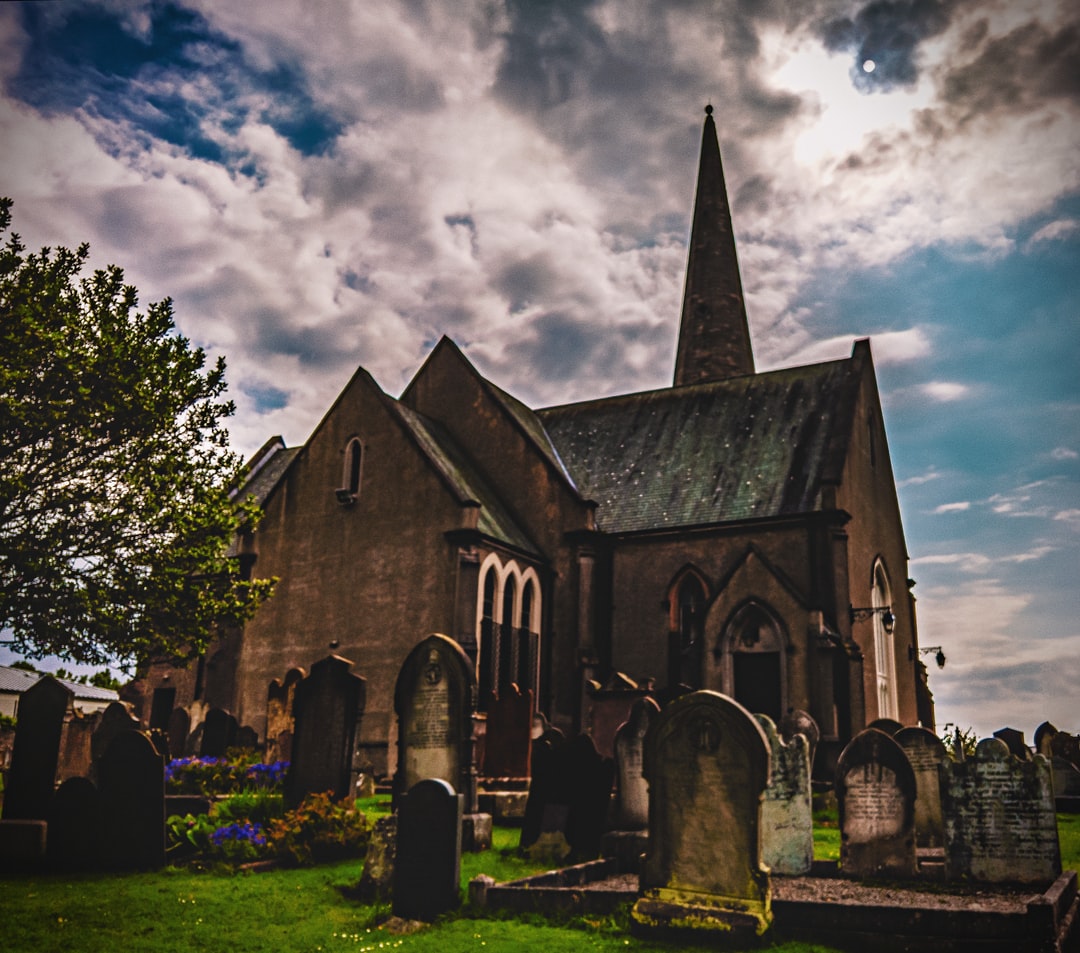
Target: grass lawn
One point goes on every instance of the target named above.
(289, 911)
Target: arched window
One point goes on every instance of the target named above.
(508, 628)
(687, 599)
(754, 661)
(352, 471)
(884, 645)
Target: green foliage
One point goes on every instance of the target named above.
(240, 770)
(24, 666)
(105, 679)
(7, 721)
(318, 830)
(959, 739)
(1069, 840)
(115, 471)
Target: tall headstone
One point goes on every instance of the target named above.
(219, 733)
(707, 764)
(507, 741)
(434, 700)
(787, 819)
(925, 751)
(427, 868)
(327, 708)
(115, 720)
(1000, 825)
(32, 776)
(875, 791)
(131, 784)
(631, 788)
(179, 727)
(75, 752)
(1013, 739)
(1043, 734)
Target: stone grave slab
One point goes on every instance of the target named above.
(875, 792)
(327, 708)
(925, 751)
(427, 867)
(707, 764)
(631, 788)
(35, 756)
(1000, 825)
(787, 820)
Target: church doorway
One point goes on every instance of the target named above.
(753, 670)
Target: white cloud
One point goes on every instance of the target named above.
(920, 479)
(953, 507)
(1064, 453)
(944, 391)
(1054, 231)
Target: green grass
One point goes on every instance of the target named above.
(1069, 839)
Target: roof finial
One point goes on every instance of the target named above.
(708, 109)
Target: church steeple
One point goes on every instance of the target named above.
(714, 336)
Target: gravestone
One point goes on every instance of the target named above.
(1043, 734)
(219, 733)
(115, 720)
(434, 700)
(327, 708)
(1066, 776)
(161, 707)
(377, 877)
(279, 716)
(889, 725)
(1000, 825)
(609, 706)
(427, 868)
(38, 731)
(875, 792)
(707, 764)
(179, 726)
(75, 835)
(131, 784)
(925, 751)
(787, 818)
(75, 752)
(799, 722)
(1065, 745)
(507, 742)
(569, 795)
(631, 788)
(1013, 739)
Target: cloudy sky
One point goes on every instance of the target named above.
(319, 185)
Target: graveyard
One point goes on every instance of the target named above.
(669, 825)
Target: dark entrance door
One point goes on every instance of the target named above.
(757, 682)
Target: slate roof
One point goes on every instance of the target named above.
(494, 521)
(266, 468)
(744, 448)
(17, 681)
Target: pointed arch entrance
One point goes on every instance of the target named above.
(753, 660)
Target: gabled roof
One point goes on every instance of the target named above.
(266, 468)
(745, 448)
(17, 681)
(466, 482)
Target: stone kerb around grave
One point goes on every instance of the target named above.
(1000, 825)
(875, 792)
(787, 820)
(707, 765)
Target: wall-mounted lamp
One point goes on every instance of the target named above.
(888, 620)
(939, 657)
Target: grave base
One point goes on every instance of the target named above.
(22, 844)
(476, 833)
(626, 847)
(665, 911)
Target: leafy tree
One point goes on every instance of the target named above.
(104, 679)
(115, 470)
(23, 665)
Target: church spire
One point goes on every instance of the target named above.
(714, 336)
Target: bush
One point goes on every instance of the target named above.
(212, 777)
(319, 830)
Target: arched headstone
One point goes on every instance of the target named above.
(32, 775)
(131, 783)
(632, 790)
(427, 865)
(925, 751)
(707, 764)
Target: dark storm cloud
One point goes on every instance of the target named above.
(181, 82)
(1015, 71)
(558, 347)
(523, 282)
(887, 33)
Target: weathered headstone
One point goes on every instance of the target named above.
(799, 722)
(609, 706)
(377, 877)
(327, 708)
(179, 726)
(787, 819)
(427, 868)
(32, 776)
(1000, 825)
(1065, 745)
(569, 795)
(1013, 739)
(707, 764)
(75, 827)
(631, 788)
(131, 783)
(1066, 777)
(925, 751)
(279, 715)
(219, 733)
(434, 700)
(161, 707)
(75, 751)
(875, 792)
(1043, 734)
(507, 742)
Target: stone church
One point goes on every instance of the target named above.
(737, 531)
